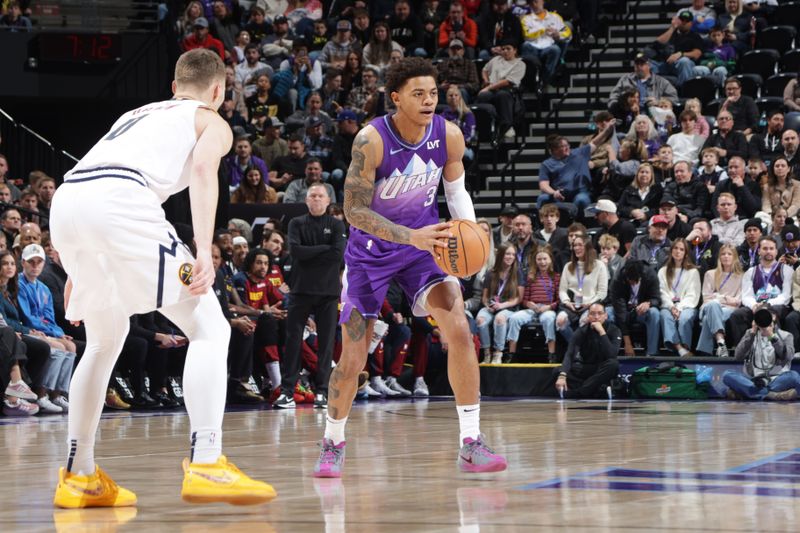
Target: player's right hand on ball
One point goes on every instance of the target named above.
(428, 237)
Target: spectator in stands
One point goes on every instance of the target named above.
(365, 98)
(564, 176)
(317, 143)
(650, 87)
(331, 91)
(663, 167)
(200, 38)
(523, 241)
(790, 246)
(701, 126)
(458, 26)
(599, 159)
(643, 130)
(654, 247)
(704, 17)
(5, 196)
(748, 250)
(728, 227)
(778, 223)
(551, 233)
(678, 227)
(14, 20)
(297, 190)
(225, 27)
(791, 97)
(185, 23)
(501, 77)
(278, 45)
(342, 147)
(609, 255)
(767, 145)
(766, 373)
(746, 191)
(407, 29)
(505, 228)
(709, 171)
(11, 221)
(291, 166)
(679, 281)
(262, 101)
(768, 284)
(241, 160)
(298, 76)
(334, 53)
(782, 189)
(457, 70)
(459, 113)
(45, 188)
(247, 72)
(642, 198)
(318, 38)
(496, 25)
(361, 26)
(606, 213)
(636, 298)
(722, 295)
(622, 168)
(539, 301)
(503, 287)
(742, 108)
(253, 189)
(719, 58)
(677, 50)
(790, 143)
(378, 50)
(351, 74)
(584, 281)
(270, 145)
(689, 193)
(234, 92)
(591, 358)
(704, 245)
(242, 40)
(542, 31)
(5, 179)
(257, 26)
(625, 109)
(686, 145)
(727, 142)
(737, 25)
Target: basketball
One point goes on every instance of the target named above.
(467, 250)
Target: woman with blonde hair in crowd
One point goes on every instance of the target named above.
(253, 189)
(459, 113)
(645, 131)
(642, 198)
(539, 299)
(722, 295)
(583, 282)
(502, 293)
(185, 23)
(679, 281)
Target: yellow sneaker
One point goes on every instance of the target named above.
(98, 490)
(222, 482)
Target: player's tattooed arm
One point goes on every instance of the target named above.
(359, 187)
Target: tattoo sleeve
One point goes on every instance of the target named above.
(359, 186)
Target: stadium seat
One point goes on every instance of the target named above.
(712, 108)
(776, 38)
(483, 122)
(792, 123)
(787, 13)
(761, 62)
(700, 87)
(750, 84)
(768, 103)
(790, 62)
(775, 85)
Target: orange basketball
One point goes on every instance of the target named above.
(467, 250)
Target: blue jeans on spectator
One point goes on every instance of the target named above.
(500, 322)
(712, 319)
(719, 74)
(525, 317)
(684, 68)
(548, 57)
(678, 331)
(745, 387)
(652, 325)
(57, 371)
(580, 198)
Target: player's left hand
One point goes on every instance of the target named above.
(202, 274)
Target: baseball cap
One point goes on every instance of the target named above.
(640, 57)
(659, 219)
(344, 25)
(201, 21)
(686, 16)
(790, 232)
(668, 200)
(273, 122)
(31, 251)
(280, 19)
(312, 122)
(509, 211)
(456, 43)
(604, 205)
(346, 114)
(239, 240)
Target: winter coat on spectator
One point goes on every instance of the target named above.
(655, 87)
(691, 198)
(632, 199)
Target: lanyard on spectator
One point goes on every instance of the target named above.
(768, 276)
(549, 288)
(752, 256)
(678, 282)
(635, 293)
(724, 281)
(655, 250)
(503, 284)
(580, 276)
(698, 253)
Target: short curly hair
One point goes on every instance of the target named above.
(410, 67)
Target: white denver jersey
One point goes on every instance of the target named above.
(155, 140)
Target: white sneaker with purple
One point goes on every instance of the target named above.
(21, 390)
(331, 459)
(475, 457)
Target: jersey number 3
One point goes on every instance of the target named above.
(431, 196)
(125, 126)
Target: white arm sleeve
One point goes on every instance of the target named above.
(458, 200)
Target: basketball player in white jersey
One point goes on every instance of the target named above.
(124, 258)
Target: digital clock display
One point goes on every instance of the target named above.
(87, 48)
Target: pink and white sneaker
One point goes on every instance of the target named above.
(20, 408)
(21, 390)
(475, 457)
(331, 459)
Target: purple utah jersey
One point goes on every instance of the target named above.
(406, 187)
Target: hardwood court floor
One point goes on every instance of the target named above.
(574, 466)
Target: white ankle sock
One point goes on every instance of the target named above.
(274, 372)
(81, 457)
(334, 429)
(206, 446)
(469, 417)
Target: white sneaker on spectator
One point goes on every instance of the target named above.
(21, 390)
(19, 408)
(510, 133)
(372, 393)
(62, 403)
(497, 359)
(487, 359)
(392, 383)
(421, 388)
(46, 406)
(722, 350)
(378, 384)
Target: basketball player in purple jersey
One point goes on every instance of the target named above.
(390, 200)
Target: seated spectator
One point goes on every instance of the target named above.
(539, 301)
(522, 239)
(636, 298)
(185, 23)
(748, 250)
(676, 51)
(642, 198)
(312, 108)
(778, 223)
(782, 189)
(253, 189)
(644, 130)
(564, 176)
(432, 13)
(599, 159)
(318, 144)
(766, 351)
(542, 31)
(45, 190)
(679, 281)
(458, 26)
(663, 166)
(790, 143)
(351, 75)
(457, 70)
(503, 287)
(746, 191)
(501, 77)
(790, 246)
(5, 179)
(224, 25)
(564, 256)
(609, 255)
(719, 58)
(496, 25)
(701, 126)
(291, 166)
(625, 109)
(742, 108)
(689, 193)
(407, 29)
(458, 112)
(200, 38)
(13, 20)
(277, 46)
(766, 285)
(297, 189)
(257, 26)
(331, 92)
(334, 53)
(709, 171)
(767, 145)
(505, 227)
(270, 145)
(10, 221)
(704, 17)
(677, 223)
(650, 87)
(622, 167)
(341, 155)
(727, 142)
(584, 281)
(300, 72)
(262, 101)
(234, 92)
(365, 98)
(736, 23)
(241, 161)
(591, 358)
(757, 170)
(704, 245)
(242, 40)
(653, 248)
(728, 227)
(686, 145)
(18, 398)
(722, 295)
(791, 97)
(623, 231)
(318, 38)
(550, 233)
